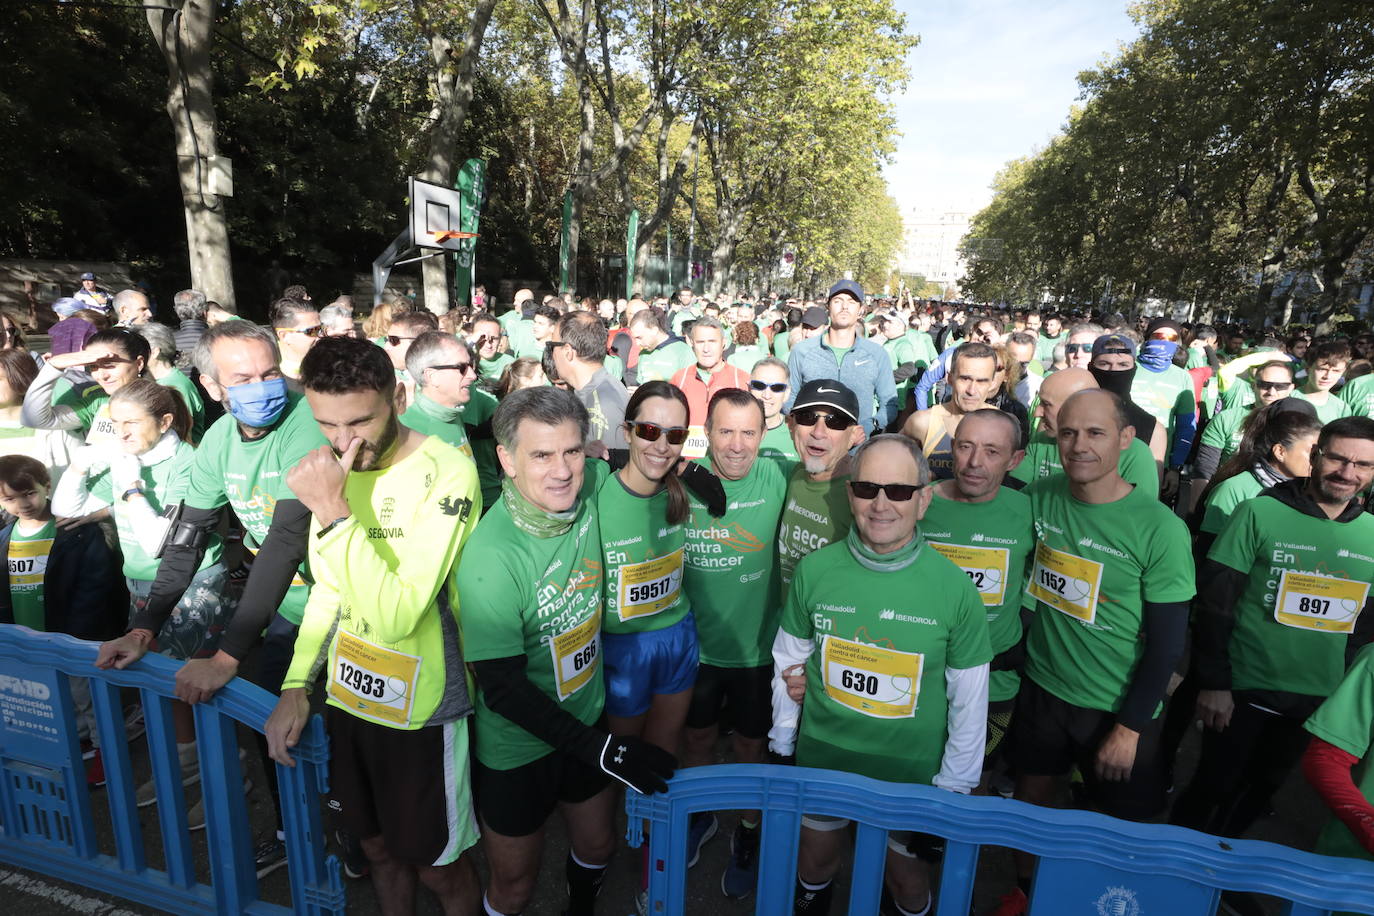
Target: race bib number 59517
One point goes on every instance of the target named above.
(650, 587)
(1066, 582)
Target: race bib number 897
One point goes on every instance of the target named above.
(1310, 601)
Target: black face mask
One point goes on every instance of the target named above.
(1117, 381)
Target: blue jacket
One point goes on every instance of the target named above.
(866, 369)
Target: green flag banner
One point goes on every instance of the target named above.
(565, 242)
(471, 184)
(631, 234)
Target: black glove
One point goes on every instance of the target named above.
(639, 764)
(705, 486)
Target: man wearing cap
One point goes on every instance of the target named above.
(1137, 465)
(841, 353)
(825, 427)
(1166, 391)
(92, 296)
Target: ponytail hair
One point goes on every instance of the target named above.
(158, 400)
(1262, 431)
(678, 506)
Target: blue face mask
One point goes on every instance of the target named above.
(257, 404)
(1157, 355)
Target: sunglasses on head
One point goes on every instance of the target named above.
(1165, 334)
(808, 416)
(649, 432)
(775, 387)
(897, 492)
(395, 340)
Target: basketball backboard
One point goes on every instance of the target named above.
(435, 213)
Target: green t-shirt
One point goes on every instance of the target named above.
(250, 476)
(1044, 346)
(899, 350)
(923, 347)
(164, 484)
(28, 564)
(731, 572)
(861, 714)
(780, 345)
(744, 358)
(643, 558)
(1223, 431)
(520, 336)
(178, 381)
(992, 543)
(663, 362)
(1136, 464)
(1359, 394)
(1346, 720)
(1333, 409)
(838, 352)
(1164, 395)
(778, 446)
(815, 513)
(429, 417)
(477, 412)
(91, 405)
(492, 368)
(541, 598)
(1307, 582)
(1225, 497)
(384, 610)
(1090, 579)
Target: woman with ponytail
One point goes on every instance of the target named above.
(139, 475)
(650, 641)
(1276, 445)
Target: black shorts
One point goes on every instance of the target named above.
(411, 787)
(748, 692)
(518, 801)
(1050, 736)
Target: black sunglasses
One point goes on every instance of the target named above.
(315, 330)
(775, 387)
(649, 432)
(395, 340)
(897, 492)
(808, 416)
(461, 367)
(1273, 386)
(1075, 348)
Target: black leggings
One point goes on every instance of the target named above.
(1240, 770)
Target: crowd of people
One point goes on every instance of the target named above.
(537, 557)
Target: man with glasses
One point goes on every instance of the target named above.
(768, 383)
(297, 326)
(579, 355)
(842, 353)
(1078, 345)
(1221, 436)
(1111, 577)
(1284, 592)
(825, 427)
(893, 690)
(486, 340)
(405, 327)
(441, 366)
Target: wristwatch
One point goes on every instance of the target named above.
(332, 525)
(136, 489)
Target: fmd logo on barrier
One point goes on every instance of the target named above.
(1118, 901)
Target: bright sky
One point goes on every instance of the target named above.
(991, 81)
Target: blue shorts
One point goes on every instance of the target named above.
(640, 666)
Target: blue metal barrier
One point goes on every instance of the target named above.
(1089, 864)
(46, 822)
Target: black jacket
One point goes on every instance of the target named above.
(83, 589)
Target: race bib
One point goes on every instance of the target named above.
(878, 682)
(102, 427)
(1314, 602)
(28, 563)
(695, 446)
(373, 682)
(576, 656)
(1066, 582)
(650, 587)
(986, 566)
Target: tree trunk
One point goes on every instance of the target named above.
(452, 81)
(183, 37)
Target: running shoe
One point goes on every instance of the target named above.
(741, 873)
(1012, 903)
(354, 860)
(195, 818)
(812, 903)
(703, 826)
(269, 856)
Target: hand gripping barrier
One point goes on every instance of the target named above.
(46, 822)
(1090, 864)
